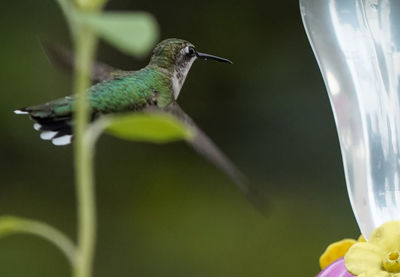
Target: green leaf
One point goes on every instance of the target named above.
(131, 32)
(13, 225)
(150, 127)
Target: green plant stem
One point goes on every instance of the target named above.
(85, 44)
(11, 225)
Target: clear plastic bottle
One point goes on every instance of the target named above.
(357, 44)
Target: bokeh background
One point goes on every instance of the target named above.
(164, 210)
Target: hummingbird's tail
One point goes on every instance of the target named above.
(53, 120)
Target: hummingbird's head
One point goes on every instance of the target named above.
(177, 56)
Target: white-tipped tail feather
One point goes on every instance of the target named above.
(50, 135)
(47, 135)
(37, 126)
(58, 130)
(64, 140)
(20, 112)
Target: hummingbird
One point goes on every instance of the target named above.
(156, 87)
(158, 84)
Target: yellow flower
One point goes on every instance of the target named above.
(380, 256)
(337, 250)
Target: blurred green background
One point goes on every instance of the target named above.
(164, 210)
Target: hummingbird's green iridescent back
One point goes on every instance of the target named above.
(130, 92)
(126, 91)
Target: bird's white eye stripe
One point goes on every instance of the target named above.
(187, 49)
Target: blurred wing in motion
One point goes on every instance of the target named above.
(204, 146)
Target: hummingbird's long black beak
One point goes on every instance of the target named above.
(212, 57)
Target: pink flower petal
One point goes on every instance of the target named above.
(335, 269)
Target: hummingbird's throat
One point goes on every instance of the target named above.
(179, 76)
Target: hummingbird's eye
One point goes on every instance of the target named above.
(190, 51)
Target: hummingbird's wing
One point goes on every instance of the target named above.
(204, 146)
(64, 58)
